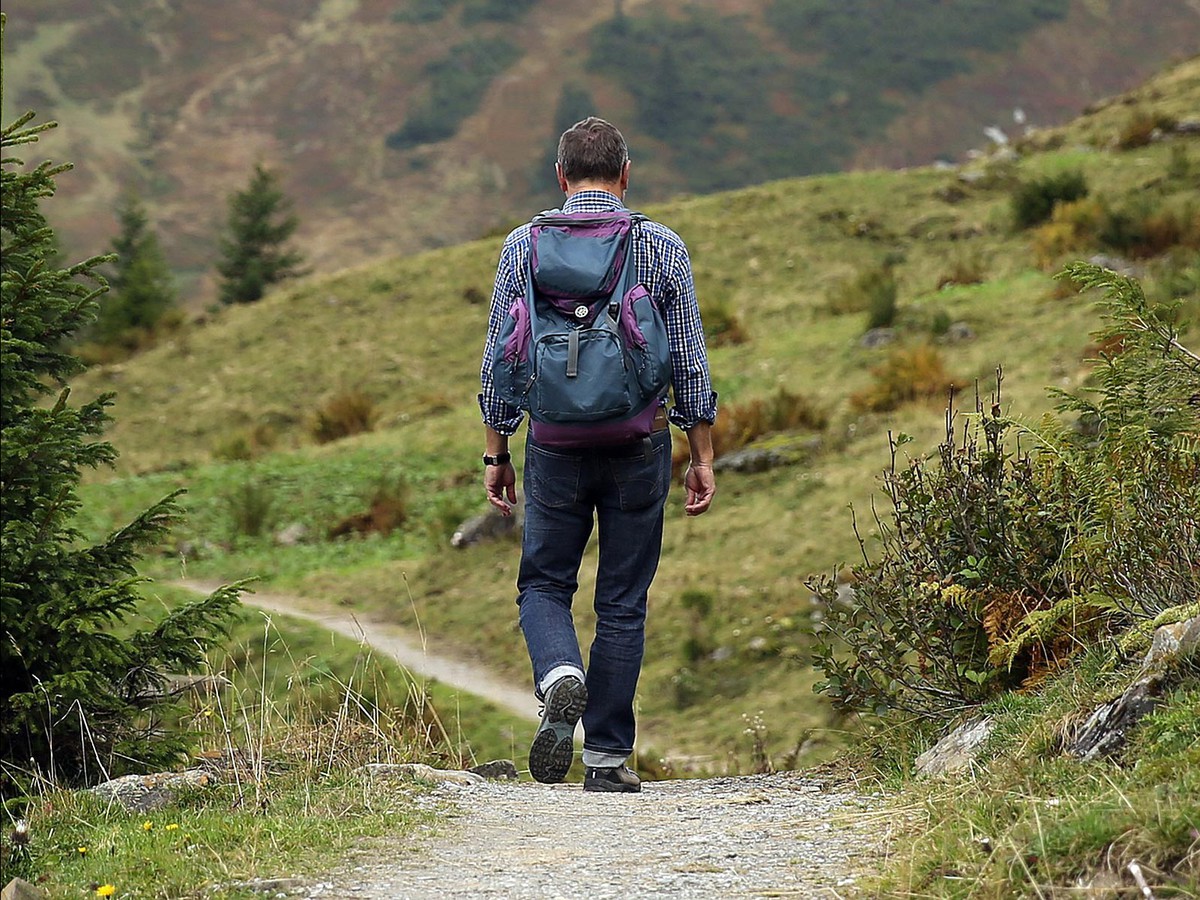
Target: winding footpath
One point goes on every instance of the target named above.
(781, 835)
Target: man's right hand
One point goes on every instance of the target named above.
(500, 482)
(701, 486)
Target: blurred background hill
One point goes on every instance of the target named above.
(400, 125)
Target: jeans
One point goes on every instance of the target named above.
(625, 493)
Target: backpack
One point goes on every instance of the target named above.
(585, 351)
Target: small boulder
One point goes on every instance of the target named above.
(20, 889)
(877, 337)
(749, 461)
(958, 333)
(488, 526)
(1173, 642)
(296, 533)
(496, 770)
(145, 793)
(957, 750)
(1104, 731)
(422, 772)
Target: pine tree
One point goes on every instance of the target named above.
(141, 286)
(77, 700)
(253, 255)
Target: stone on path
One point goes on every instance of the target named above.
(422, 772)
(20, 889)
(957, 750)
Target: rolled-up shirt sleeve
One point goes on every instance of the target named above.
(497, 414)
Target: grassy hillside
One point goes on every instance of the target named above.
(403, 124)
(779, 262)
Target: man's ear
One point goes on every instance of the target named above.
(562, 181)
(625, 176)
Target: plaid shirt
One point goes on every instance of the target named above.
(663, 268)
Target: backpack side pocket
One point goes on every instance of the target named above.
(511, 367)
(645, 336)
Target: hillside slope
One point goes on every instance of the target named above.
(731, 618)
(404, 125)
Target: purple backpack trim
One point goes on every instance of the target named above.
(517, 345)
(604, 434)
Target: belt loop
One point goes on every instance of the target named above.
(648, 449)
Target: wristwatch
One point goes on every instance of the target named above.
(499, 459)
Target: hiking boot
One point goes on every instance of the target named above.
(618, 779)
(553, 745)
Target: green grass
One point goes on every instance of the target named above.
(303, 709)
(206, 842)
(1029, 821)
(408, 331)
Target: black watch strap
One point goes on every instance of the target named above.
(500, 459)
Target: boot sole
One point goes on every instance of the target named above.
(553, 747)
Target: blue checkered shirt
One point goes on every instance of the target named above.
(663, 268)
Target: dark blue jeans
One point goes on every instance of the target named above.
(624, 493)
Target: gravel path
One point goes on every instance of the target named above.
(759, 836)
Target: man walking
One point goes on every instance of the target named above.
(621, 488)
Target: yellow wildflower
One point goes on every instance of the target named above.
(82, 851)
(172, 827)
(106, 890)
(147, 825)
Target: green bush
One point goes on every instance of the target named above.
(1033, 202)
(873, 291)
(995, 566)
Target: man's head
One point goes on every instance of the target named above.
(592, 153)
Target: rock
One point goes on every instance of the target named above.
(748, 461)
(277, 887)
(877, 337)
(422, 772)
(958, 332)
(489, 526)
(145, 793)
(1105, 729)
(1187, 126)
(20, 889)
(957, 750)
(496, 770)
(294, 534)
(1173, 642)
(201, 685)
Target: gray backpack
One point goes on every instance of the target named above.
(585, 351)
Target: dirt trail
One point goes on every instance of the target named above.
(752, 836)
(410, 650)
(782, 835)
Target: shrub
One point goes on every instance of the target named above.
(966, 267)
(246, 444)
(1139, 129)
(740, 424)
(342, 415)
(963, 556)
(872, 291)
(387, 510)
(1033, 202)
(1072, 227)
(996, 566)
(251, 507)
(908, 373)
(1145, 228)
(722, 327)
